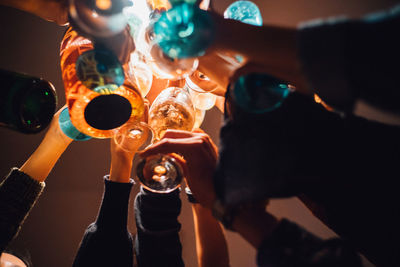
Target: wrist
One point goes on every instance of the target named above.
(120, 170)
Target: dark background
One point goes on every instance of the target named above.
(73, 190)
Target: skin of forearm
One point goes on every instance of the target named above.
(121, 168)
(26, 5)
(211, 246)
(42, 161)
(272, 48)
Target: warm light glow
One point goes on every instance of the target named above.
(160, 170)
(139, 9)
(103, 4)
(318, 100)
(159, 4)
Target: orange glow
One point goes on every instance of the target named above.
(103, 4)
(159, 4)
(318, 100)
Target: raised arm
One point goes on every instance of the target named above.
(211, 245)
(51, 10)
(23, 186)
(107, 241)
(43, 159)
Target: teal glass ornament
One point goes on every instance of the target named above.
(259, 92)
(98, 68)
(244, 11)
(68, 128)
(184, 31)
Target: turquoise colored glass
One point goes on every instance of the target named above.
(178, 2)
(184, 31)
(68, 128)
(244, 11)
(259, 93)
(99, 68)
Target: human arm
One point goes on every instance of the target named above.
(157, 239)
(269, 49)
(211, 246)
(271, 236)
(41, 162)
(22, 187)
(200, 159)
(107, 241)
(340, 59)
(51, 10)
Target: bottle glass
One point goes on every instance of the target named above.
(259, 92)
(100, 108)
(27, 103)
(97, 18)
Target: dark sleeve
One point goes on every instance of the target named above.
(107, 241)
(292, 246)
(157, 240)
(346, 59)
(18, 194)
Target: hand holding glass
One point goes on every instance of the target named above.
(172, 109)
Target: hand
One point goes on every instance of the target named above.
(50, 10)
(121, 159)
(200, 159)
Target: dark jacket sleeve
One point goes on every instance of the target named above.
(18, 194)
(157, 240)
(292, 246)
(107, 241)
(347, 59)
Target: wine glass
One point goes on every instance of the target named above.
(200, 88)
(139, 73)
(172, 109)
(162, 65)
(134, 136)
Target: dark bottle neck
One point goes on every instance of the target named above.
(27, 103)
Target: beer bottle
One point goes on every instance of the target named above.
(98, 96)
(27, 103)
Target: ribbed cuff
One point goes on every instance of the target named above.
(18, 194)
(114, 207)
(21, 186)
(287, 243)
(157, 212)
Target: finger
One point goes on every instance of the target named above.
(169, 145)
(198, 130)
(177, 134)
(182, 162)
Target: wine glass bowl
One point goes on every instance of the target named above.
(134, 136)
(172, 109)
(200, 87)
(159, 173)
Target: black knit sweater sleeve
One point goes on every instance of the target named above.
(107, 241)
(292, 246)
(18, 194)
(157, 240)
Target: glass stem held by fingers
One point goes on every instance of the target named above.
(172, 109)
